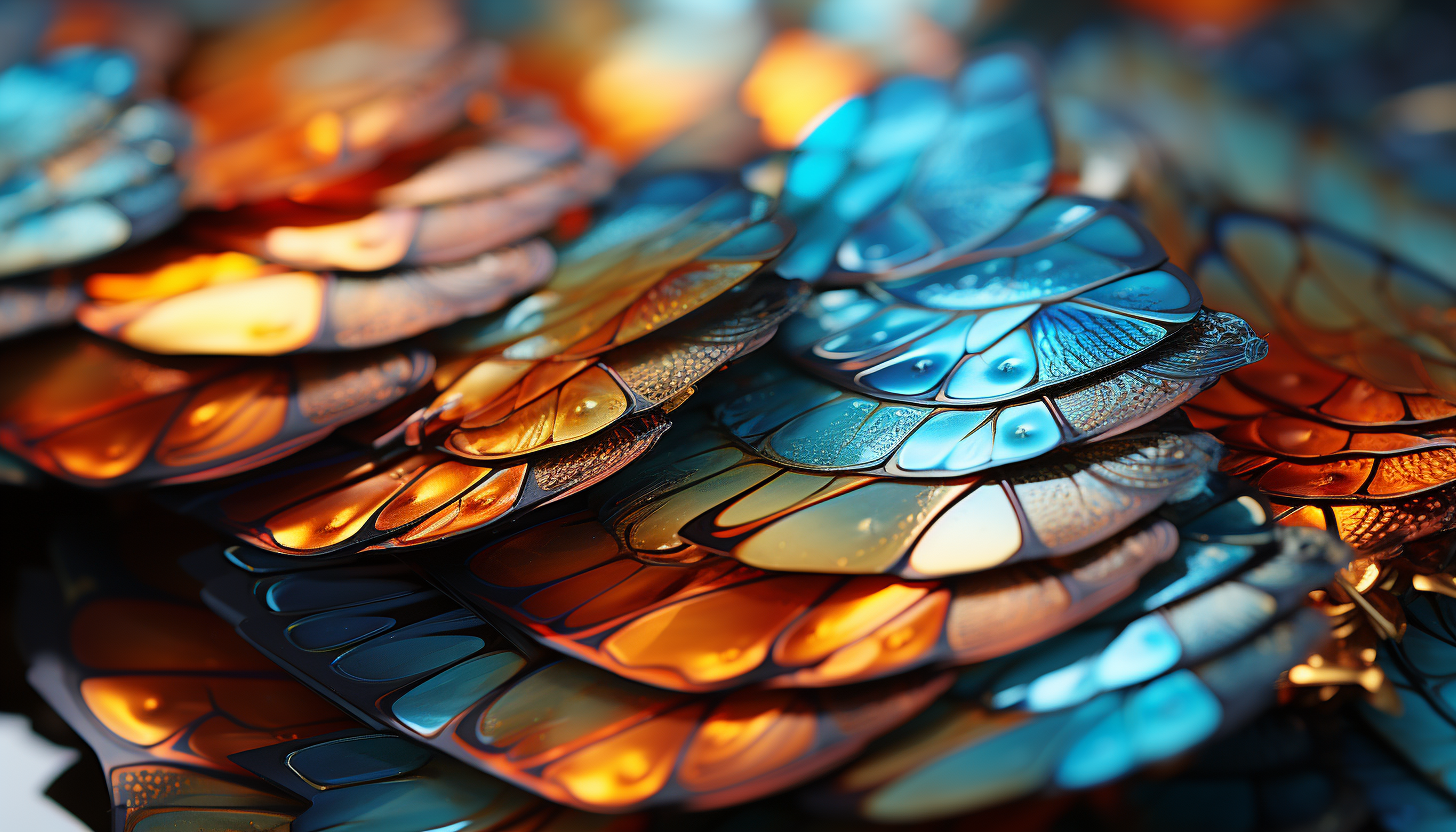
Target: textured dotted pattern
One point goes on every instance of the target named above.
(583, 464)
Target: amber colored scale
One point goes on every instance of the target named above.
(534, 406)
(559, 402)
(1291, 380)
(631, 318)
(343, 499)
(1289, 436)
(185, 717)
(1334, 451)
(1376, 527)
(188, 300)
(609, 291)
(153, 666)
(1346, 425)
(1343, 302)
(473, 189)
(692, 620)
(97, 413)
(175, 679)
(438, 231)
(263, 129)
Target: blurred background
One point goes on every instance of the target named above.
(664, 84)
(670, 82)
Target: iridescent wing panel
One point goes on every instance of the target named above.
(691, 620)
(695, 621)
(164, 693)
(961, 755)
(85, 168)
(795, 420)
(919, 171)
(1002, 328)
(710, 493)
(1336, 451)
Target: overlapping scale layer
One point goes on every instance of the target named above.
(552, 428)
(693, 620)
(659, 251)
(197, 730)
(654, 371)
(662, 291)
(164, 693)
(1377, 490)
(939, 546)
(1304, 386)
(430, 234)
(702, 622)
(1346, 426)
(401, 656)
(960, 755)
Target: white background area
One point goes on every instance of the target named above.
(28, 764)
